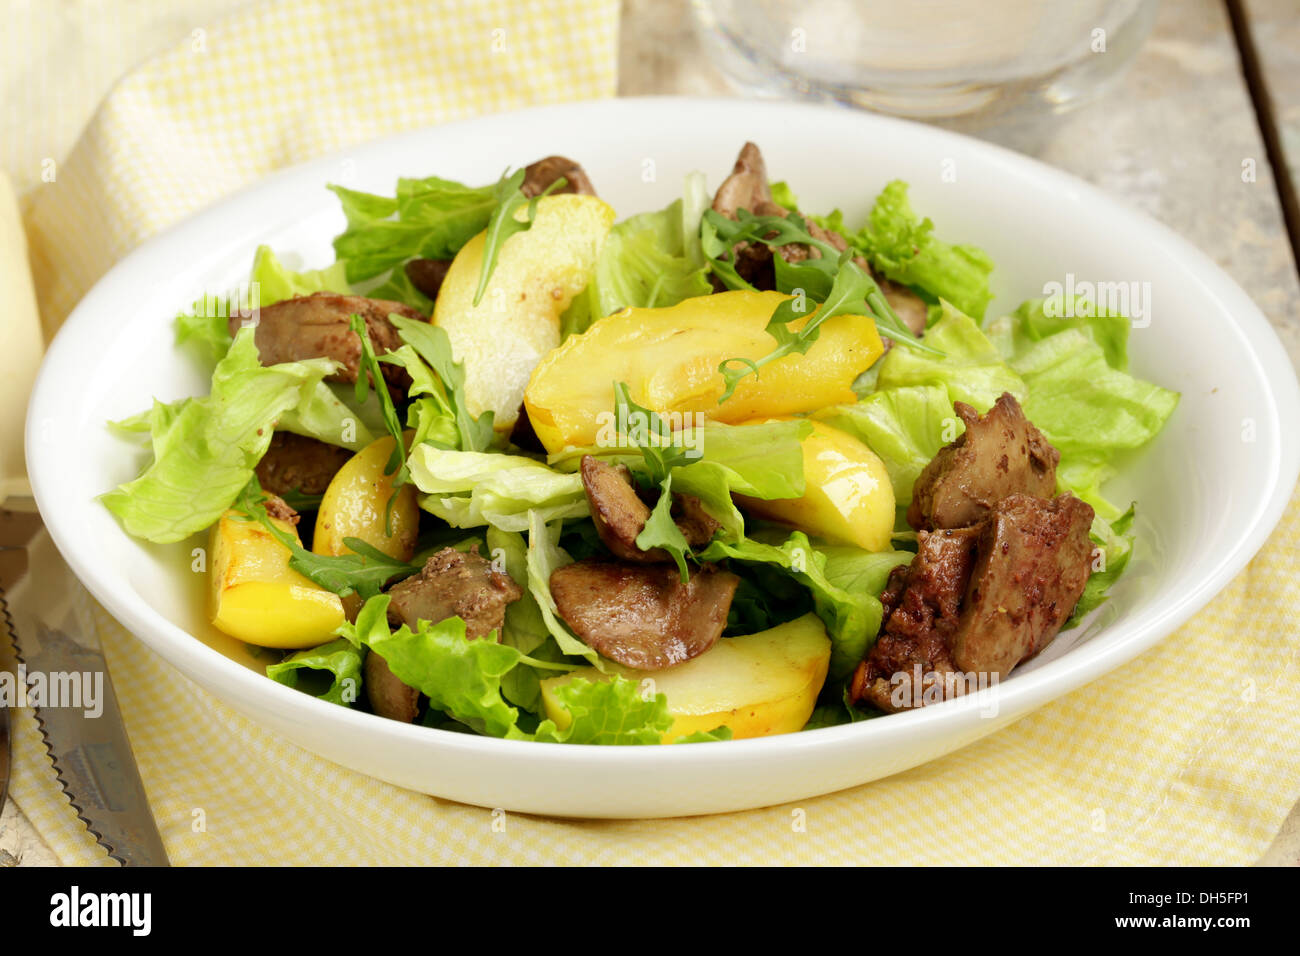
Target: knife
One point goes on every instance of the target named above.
(77, 712)
(6, 748)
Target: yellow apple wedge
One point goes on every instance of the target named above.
(257, 597)
(517, 321)
(355, 505)
(669, 360)
(848, 498)
(758, 685)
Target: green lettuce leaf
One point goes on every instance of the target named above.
(276, 283)
(428, 218)
(205, 330)
(972, 369)
(902, 247)
(652, 260)
(525, 629)
(461, 677)
(760, 461)
(469, 489)
(331, 672)
(205, 327)
(661, 531)
(705, 736)
(852, 618)
(544, 556)
(1114, 540)
(1037, 319)
(608, 712)
(206, 448)
(1084, 406)
(464, 679)
(323, 415)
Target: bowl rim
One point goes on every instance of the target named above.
(1016, 695)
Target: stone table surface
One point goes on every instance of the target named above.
(1171, 136)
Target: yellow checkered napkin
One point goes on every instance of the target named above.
(1185, 756)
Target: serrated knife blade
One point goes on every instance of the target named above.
(78, 715)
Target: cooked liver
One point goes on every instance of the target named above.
(316, 326)
(1035, 557)
(277, 507)
(907, 305)
(539, 175)
(298, 463)
(922, 609)
(616, 510)
(455, 584)
(451, 584)
(427, 275)
(642, 615)
(388, 696)
(977, 601)
(999, 454)
(619, 514)
(747, 187)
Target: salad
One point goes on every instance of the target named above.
(511, 467)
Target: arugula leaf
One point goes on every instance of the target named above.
(660, 450)
(434, 347)
(368, 371)
(429, 412)
(661, 531)
(366, 571)
(503, 224)
(852, 292)
(843, 286)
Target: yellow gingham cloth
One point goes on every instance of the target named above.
(1185, 756)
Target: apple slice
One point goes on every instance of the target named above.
(758, 685)
(538, 272)
(848, 497)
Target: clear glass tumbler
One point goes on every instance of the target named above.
(928, 59)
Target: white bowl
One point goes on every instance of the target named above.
(1209, 489)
